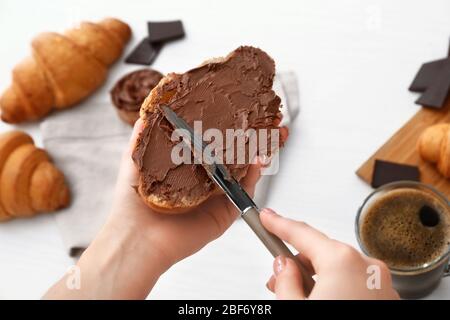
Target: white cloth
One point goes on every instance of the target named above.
(86, 143)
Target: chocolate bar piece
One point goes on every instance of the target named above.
(437, 92)
(76, 251)
(165, 31)
(144, 53)
(385, 172)
(426, 74)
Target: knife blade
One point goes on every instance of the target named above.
(235, 193)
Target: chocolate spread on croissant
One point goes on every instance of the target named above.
(233, 94)
(131, 90)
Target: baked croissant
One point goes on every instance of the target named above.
(434, 147)
(63, 69)
(29, 182)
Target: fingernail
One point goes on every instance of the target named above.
(269, 211)
(279, 264)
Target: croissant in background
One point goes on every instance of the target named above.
(29, 182)
(63, 69)
(434, 147)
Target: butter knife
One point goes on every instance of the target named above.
(237, 195)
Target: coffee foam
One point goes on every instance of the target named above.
(393, 232)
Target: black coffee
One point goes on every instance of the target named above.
(406, 228)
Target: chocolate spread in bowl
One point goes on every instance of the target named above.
(131, 90)
(232, 94)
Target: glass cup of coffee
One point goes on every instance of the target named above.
(406, 224)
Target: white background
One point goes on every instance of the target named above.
(354, 59)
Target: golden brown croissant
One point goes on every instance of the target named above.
(434, 147)
(29, 182)
(63, 69)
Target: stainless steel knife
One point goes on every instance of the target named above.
(237, 195)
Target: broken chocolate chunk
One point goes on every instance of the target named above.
(437, 92)
(385, 172)
(426, 74)
(165, 31)
(144, 53)
(76, 252)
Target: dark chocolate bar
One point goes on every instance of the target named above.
(386, 171)
(144, 53)
(165, 31)
(437, 92)
(426, 74)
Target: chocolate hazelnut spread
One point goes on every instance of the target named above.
(235, 93)
(131, 90)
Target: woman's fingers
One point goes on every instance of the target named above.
(271, 283)
(305, 262)
(137, 128)
(252, 177)
(288, 280)
(277, 121)
(284, 134)
(311, 243)
(128, 174)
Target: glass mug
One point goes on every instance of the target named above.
(412, 282)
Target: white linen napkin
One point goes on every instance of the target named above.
(86, 143)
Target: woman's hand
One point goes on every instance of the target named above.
(174, 236)
(342, 272)
(137, 245)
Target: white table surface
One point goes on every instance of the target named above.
(354, 60)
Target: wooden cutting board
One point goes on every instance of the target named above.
(401, 148)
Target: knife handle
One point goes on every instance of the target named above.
(276, 246)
